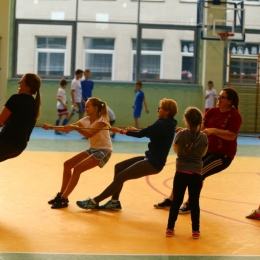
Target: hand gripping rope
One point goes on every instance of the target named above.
(52, 127)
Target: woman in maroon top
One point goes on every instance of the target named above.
(221, 124)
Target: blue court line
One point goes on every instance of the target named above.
(39, 133)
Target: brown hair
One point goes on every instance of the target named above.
(63, 82)
(33, 81)
(233, 96)
(102, 107)
(139, 83)
(169, 105)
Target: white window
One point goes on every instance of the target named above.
(99, 57)
(187, 53)
(51, 56)
(244, 70)
(151, 59)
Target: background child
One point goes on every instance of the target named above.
(210, 96)
(76, 95)
(112, 120)
(190, 145)
(87, 86)
(62, 105)
(97, 155)
(138, 103)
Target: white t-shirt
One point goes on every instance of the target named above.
(61, 95)
(111, 114)
(211, 99)
(101, 140)
(76, 86)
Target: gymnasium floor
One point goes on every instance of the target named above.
(30, 230)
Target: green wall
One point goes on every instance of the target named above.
(120, 97)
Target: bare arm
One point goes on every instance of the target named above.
(72, 96)
(65, 105)
(215, 102)
(91, 132)
(5, 113)
(146, 107)
(175, 148)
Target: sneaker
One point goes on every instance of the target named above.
(52, 201)
(57, 132)
(87, 204)
(111, 206)
(169, 232)
(254, 215)
(195, 234)
(60, 203)
(166, 204)
(185, 208)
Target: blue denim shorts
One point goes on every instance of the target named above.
(100, 154)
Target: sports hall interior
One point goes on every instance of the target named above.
(29, 229)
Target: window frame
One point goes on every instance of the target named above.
(100, 51)
(196, 41)
(145, 52)
(44, 22)
(47, 50)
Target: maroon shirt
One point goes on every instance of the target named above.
(230, 120)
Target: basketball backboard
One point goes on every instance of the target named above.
(221, 16)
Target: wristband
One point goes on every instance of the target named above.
(121, 132)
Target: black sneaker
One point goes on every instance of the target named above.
(60, 203)
(52, 201)
(185, 208)
(166, 204)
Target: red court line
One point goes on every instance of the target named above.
(218, 215)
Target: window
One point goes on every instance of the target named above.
(99, 56)
(245, 69)
(187, 53)
(151, 58)
(51, 56)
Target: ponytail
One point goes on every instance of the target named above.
(33, 81)
(102, 108)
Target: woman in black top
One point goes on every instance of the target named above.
(161, 134)
(18, 117)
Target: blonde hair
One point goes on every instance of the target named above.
(102, 107)
(169, 105)
(33, 81)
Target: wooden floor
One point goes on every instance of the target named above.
(29, 225)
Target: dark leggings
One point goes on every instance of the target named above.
(214, 163)
(8, 151)
(130, 169)
(180, 183)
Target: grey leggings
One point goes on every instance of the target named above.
(130, 169)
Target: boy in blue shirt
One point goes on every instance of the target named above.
(138, 103)
(87, 86)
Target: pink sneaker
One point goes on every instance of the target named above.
(169, 232)
(195, 234)
(254, 215)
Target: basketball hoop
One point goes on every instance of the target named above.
(224, 36)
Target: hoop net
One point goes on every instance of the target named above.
(226, 38)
